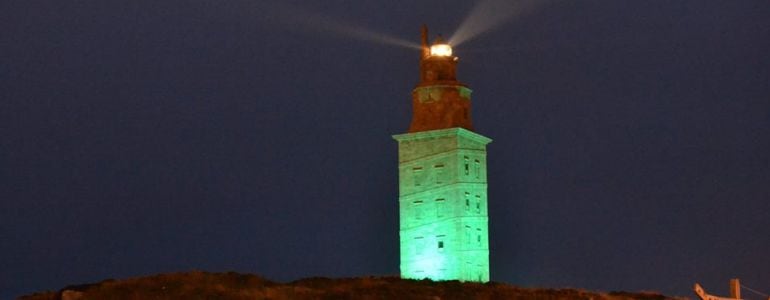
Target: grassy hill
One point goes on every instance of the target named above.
(203, 285)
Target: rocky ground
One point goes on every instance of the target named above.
(203, 285)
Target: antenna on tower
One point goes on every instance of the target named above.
(424, 41)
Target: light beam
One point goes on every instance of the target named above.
(299, 19)
(490, 14)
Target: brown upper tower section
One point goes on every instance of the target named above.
(439, 101)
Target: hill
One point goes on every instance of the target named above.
(203, 285)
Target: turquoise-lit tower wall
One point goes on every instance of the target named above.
(443, 217)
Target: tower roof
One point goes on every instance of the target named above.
(439, 101)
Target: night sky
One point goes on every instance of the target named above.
(631, 139)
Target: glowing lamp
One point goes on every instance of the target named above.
(441, 50)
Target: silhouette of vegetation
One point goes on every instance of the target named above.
(203, 285)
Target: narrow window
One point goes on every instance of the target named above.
(478, 236)
(417, 209)
(467, 235)
(467, 201)
(417, 175)
(440, 243)
(478, 204)
(467, 166)
(419, 244)
(439, 168)
(477, 169)
(440, 207)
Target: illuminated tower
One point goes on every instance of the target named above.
(442, 177)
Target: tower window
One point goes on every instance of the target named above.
(477, 168)
(467, 201)
(419, 244)
(430, 75)
(418, 209)
(417, 175)
(441, 245)
(467, 166)
(478, 204)
(440, 207)
(439, 168)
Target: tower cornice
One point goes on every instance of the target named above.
(443, 133)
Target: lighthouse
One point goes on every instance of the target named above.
(443, 215)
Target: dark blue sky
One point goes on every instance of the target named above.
(631, 140)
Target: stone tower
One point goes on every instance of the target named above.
(442, 177)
